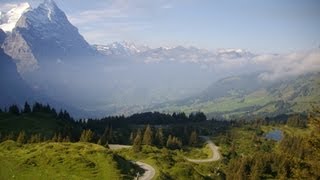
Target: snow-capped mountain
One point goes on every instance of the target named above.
(8, 20)
(44, 34)
(121, 49)
(164, 54)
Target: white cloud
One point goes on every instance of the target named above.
(288, 65)
(272, 66)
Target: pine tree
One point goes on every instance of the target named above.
(104, 137)
(21, 137)
(169, 142)
(10, 136)
(137, 142)
(83, 136)
(35, 138)
(99, 141)
(131, 139)
(59, 138)
(54, 138)
(86, 136)
(27, 108)
(193, 139)
(32, 139)
(148, 136)
(54, 112)
(160, 137)
(14, 109)
(60, 115)
(174, 142)
(177, 144)
(37, 107)
(38, 138)
(66, 139)
(110, 134)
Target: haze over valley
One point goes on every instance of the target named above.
(162, 89)
(54, 59)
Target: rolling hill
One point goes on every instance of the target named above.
(244, 96)
(62, 161)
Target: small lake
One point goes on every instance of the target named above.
(276, 135)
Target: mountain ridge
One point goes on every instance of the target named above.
(162, 54)
(295, 95)
(44, 34)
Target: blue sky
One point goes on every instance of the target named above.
(259, 26)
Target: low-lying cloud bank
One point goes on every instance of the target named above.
(288, 65)
(272, 66)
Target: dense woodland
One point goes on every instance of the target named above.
(115, 129)
(296, 156)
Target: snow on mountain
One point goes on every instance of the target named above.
(163, 54)
(8, 20)
(121, 49)
(45, 35)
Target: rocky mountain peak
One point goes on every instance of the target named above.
(45, 35)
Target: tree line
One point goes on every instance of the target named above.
(37, 108)
(158, 137)
(113, 129)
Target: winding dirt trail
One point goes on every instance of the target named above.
(149, 171)
(216, 155)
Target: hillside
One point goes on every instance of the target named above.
(61, 161)
(164, 142)
(244, 96)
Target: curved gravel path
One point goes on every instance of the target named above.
(149, 171)
(216, 155)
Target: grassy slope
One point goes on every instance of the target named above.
(61, 161)
(297, 96)
(198, 153)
